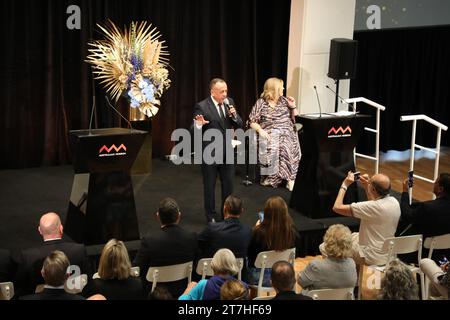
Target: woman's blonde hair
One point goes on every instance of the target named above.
(233, 289)
(224, 262)
(338, 241)
(273, 89)
(114, 261)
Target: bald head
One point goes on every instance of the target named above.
(381, 183)
(50, 226)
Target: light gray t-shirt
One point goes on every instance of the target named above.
(329, 273)
(379, 219)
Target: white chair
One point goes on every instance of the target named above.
(169, 273)
(332, 294)
(264, 298)
(76, 284)
(204, 267)
(431, 243)
(134, 272)
(437, 242)
(403, 245)
(6, 290)
(266, 259)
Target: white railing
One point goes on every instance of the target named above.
(379, 108)
(436, 152)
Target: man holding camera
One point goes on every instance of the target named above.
(379, 217)
(430, 218)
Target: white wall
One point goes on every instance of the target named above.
(313, 24)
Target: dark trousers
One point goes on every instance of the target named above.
(226, 174)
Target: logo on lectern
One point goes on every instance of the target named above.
(112, 151)
(340, 132)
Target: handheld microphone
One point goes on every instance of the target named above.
(109, 103)
(342, 99)
(318, 101)
(227, 103)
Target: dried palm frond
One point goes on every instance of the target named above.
(122, 56)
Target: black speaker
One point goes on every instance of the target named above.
(342, 63)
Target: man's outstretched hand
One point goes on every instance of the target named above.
(200, 121)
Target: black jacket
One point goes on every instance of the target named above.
(167, 246)
(429, 218)
(230, 234)
(6, 266)
(30, 263)
(128, 289)
(52, 294)
(290, 295)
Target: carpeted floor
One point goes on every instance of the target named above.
(27, 194)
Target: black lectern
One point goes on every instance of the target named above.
(102, 200)
(327, 145)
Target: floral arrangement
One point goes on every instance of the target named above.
(132, 64)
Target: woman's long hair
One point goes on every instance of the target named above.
(114, 261)
(278, 227)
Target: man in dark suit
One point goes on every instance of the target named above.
(229, 233)
(429, 218)
(167, 246)
(54, 272)
(6, 266)
(283, 281)
(30, 261)
(216, 112)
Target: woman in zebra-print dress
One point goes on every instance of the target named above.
(279, 149)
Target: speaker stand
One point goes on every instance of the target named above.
(336, 102)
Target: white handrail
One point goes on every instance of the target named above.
(440, 127)
(367, 101)
(379, 108)
(425, 118)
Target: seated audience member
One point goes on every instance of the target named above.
(114, 270)
(6, 266)
(30, 261)
(169, 245)
(337, 270)
(54, 272)
(379, 217)
(283, 281)
(97, 297)
(234, 290)
(160, 293)
(439, 278)
(429, 218)
(229, 233)
(398, 283)
(224, 266)
(276, 232)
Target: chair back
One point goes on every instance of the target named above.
(332, 294)
(6, 290)
(76, 284)
(264, 298)
(402, 245)
(437, 242)
(204, 267)
(169, 273)
(135, 272)
(266, 259)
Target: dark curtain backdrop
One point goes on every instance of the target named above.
(407, 71)
(47, 87)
